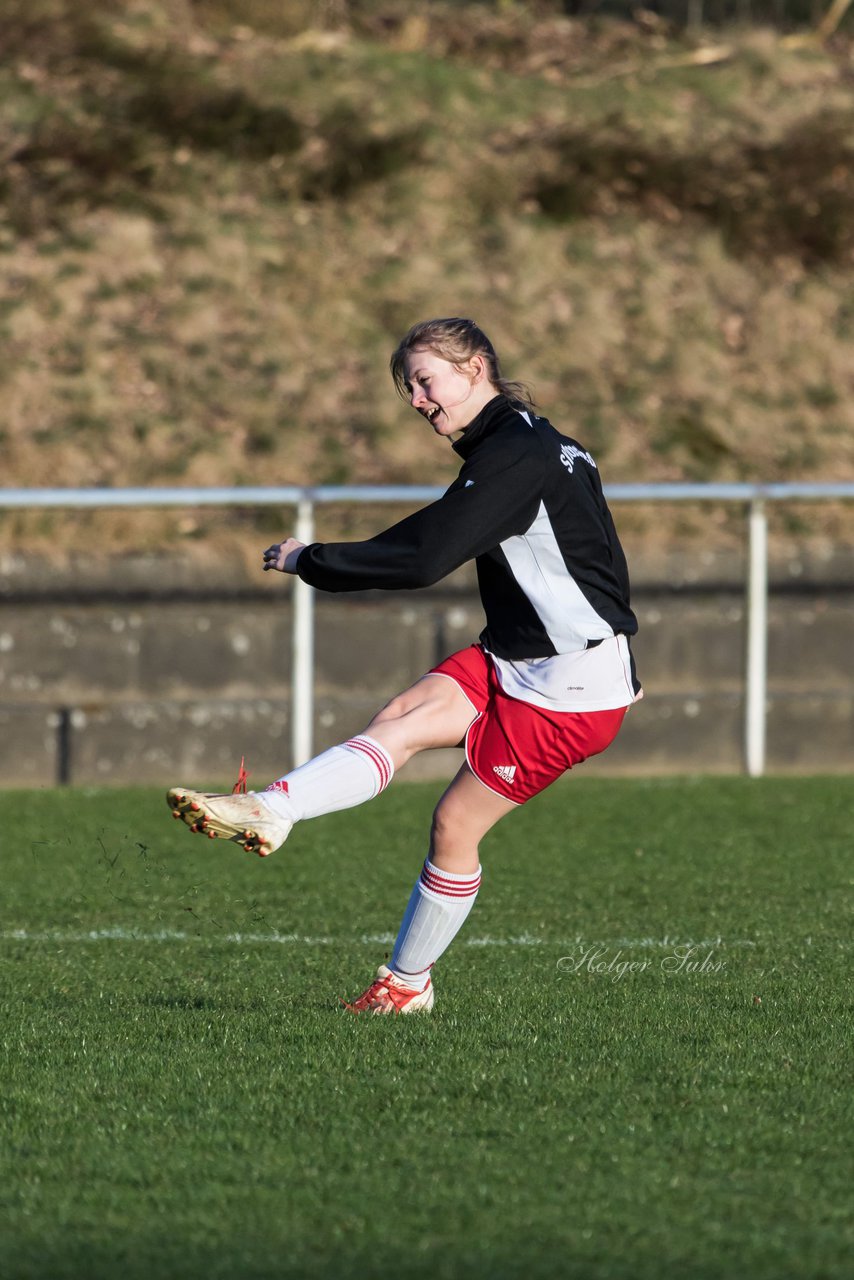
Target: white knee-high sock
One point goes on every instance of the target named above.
(341, 777)
(437, 910)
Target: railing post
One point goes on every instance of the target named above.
(302, 660)
(757, 640)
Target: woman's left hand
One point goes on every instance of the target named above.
(283, 555)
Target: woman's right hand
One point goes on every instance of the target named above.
(283, 555)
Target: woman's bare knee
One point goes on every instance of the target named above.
(453, 827)
(442, 827)
(452, 850)
(461, 819)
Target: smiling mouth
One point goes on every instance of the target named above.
(432, 414)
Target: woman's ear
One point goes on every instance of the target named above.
(477, 368)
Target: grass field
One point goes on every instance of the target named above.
(182, 1095)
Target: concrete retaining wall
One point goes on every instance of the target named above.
(155, 671)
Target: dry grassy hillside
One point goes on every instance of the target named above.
(213, 230)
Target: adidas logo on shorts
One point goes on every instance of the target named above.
(505, 771)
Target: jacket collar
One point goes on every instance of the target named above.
(498, 410)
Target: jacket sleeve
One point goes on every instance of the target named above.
(495, 496)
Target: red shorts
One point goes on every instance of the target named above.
(514, 748)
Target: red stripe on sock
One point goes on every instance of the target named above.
(448, 888)
(375, 755)
(448, 878)
(439, 888)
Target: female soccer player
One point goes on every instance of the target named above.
(547, 685)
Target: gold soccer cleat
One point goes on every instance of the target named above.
(243, 819)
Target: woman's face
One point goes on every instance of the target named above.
(447, 397)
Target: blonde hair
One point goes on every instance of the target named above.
(456, 340)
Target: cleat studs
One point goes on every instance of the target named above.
(248, 847)
(195, 806)
(211, 835)
(176, 813)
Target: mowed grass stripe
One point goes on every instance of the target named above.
(195, 1107)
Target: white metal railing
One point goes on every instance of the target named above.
(755, 498)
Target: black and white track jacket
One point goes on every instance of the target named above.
(528, 507)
